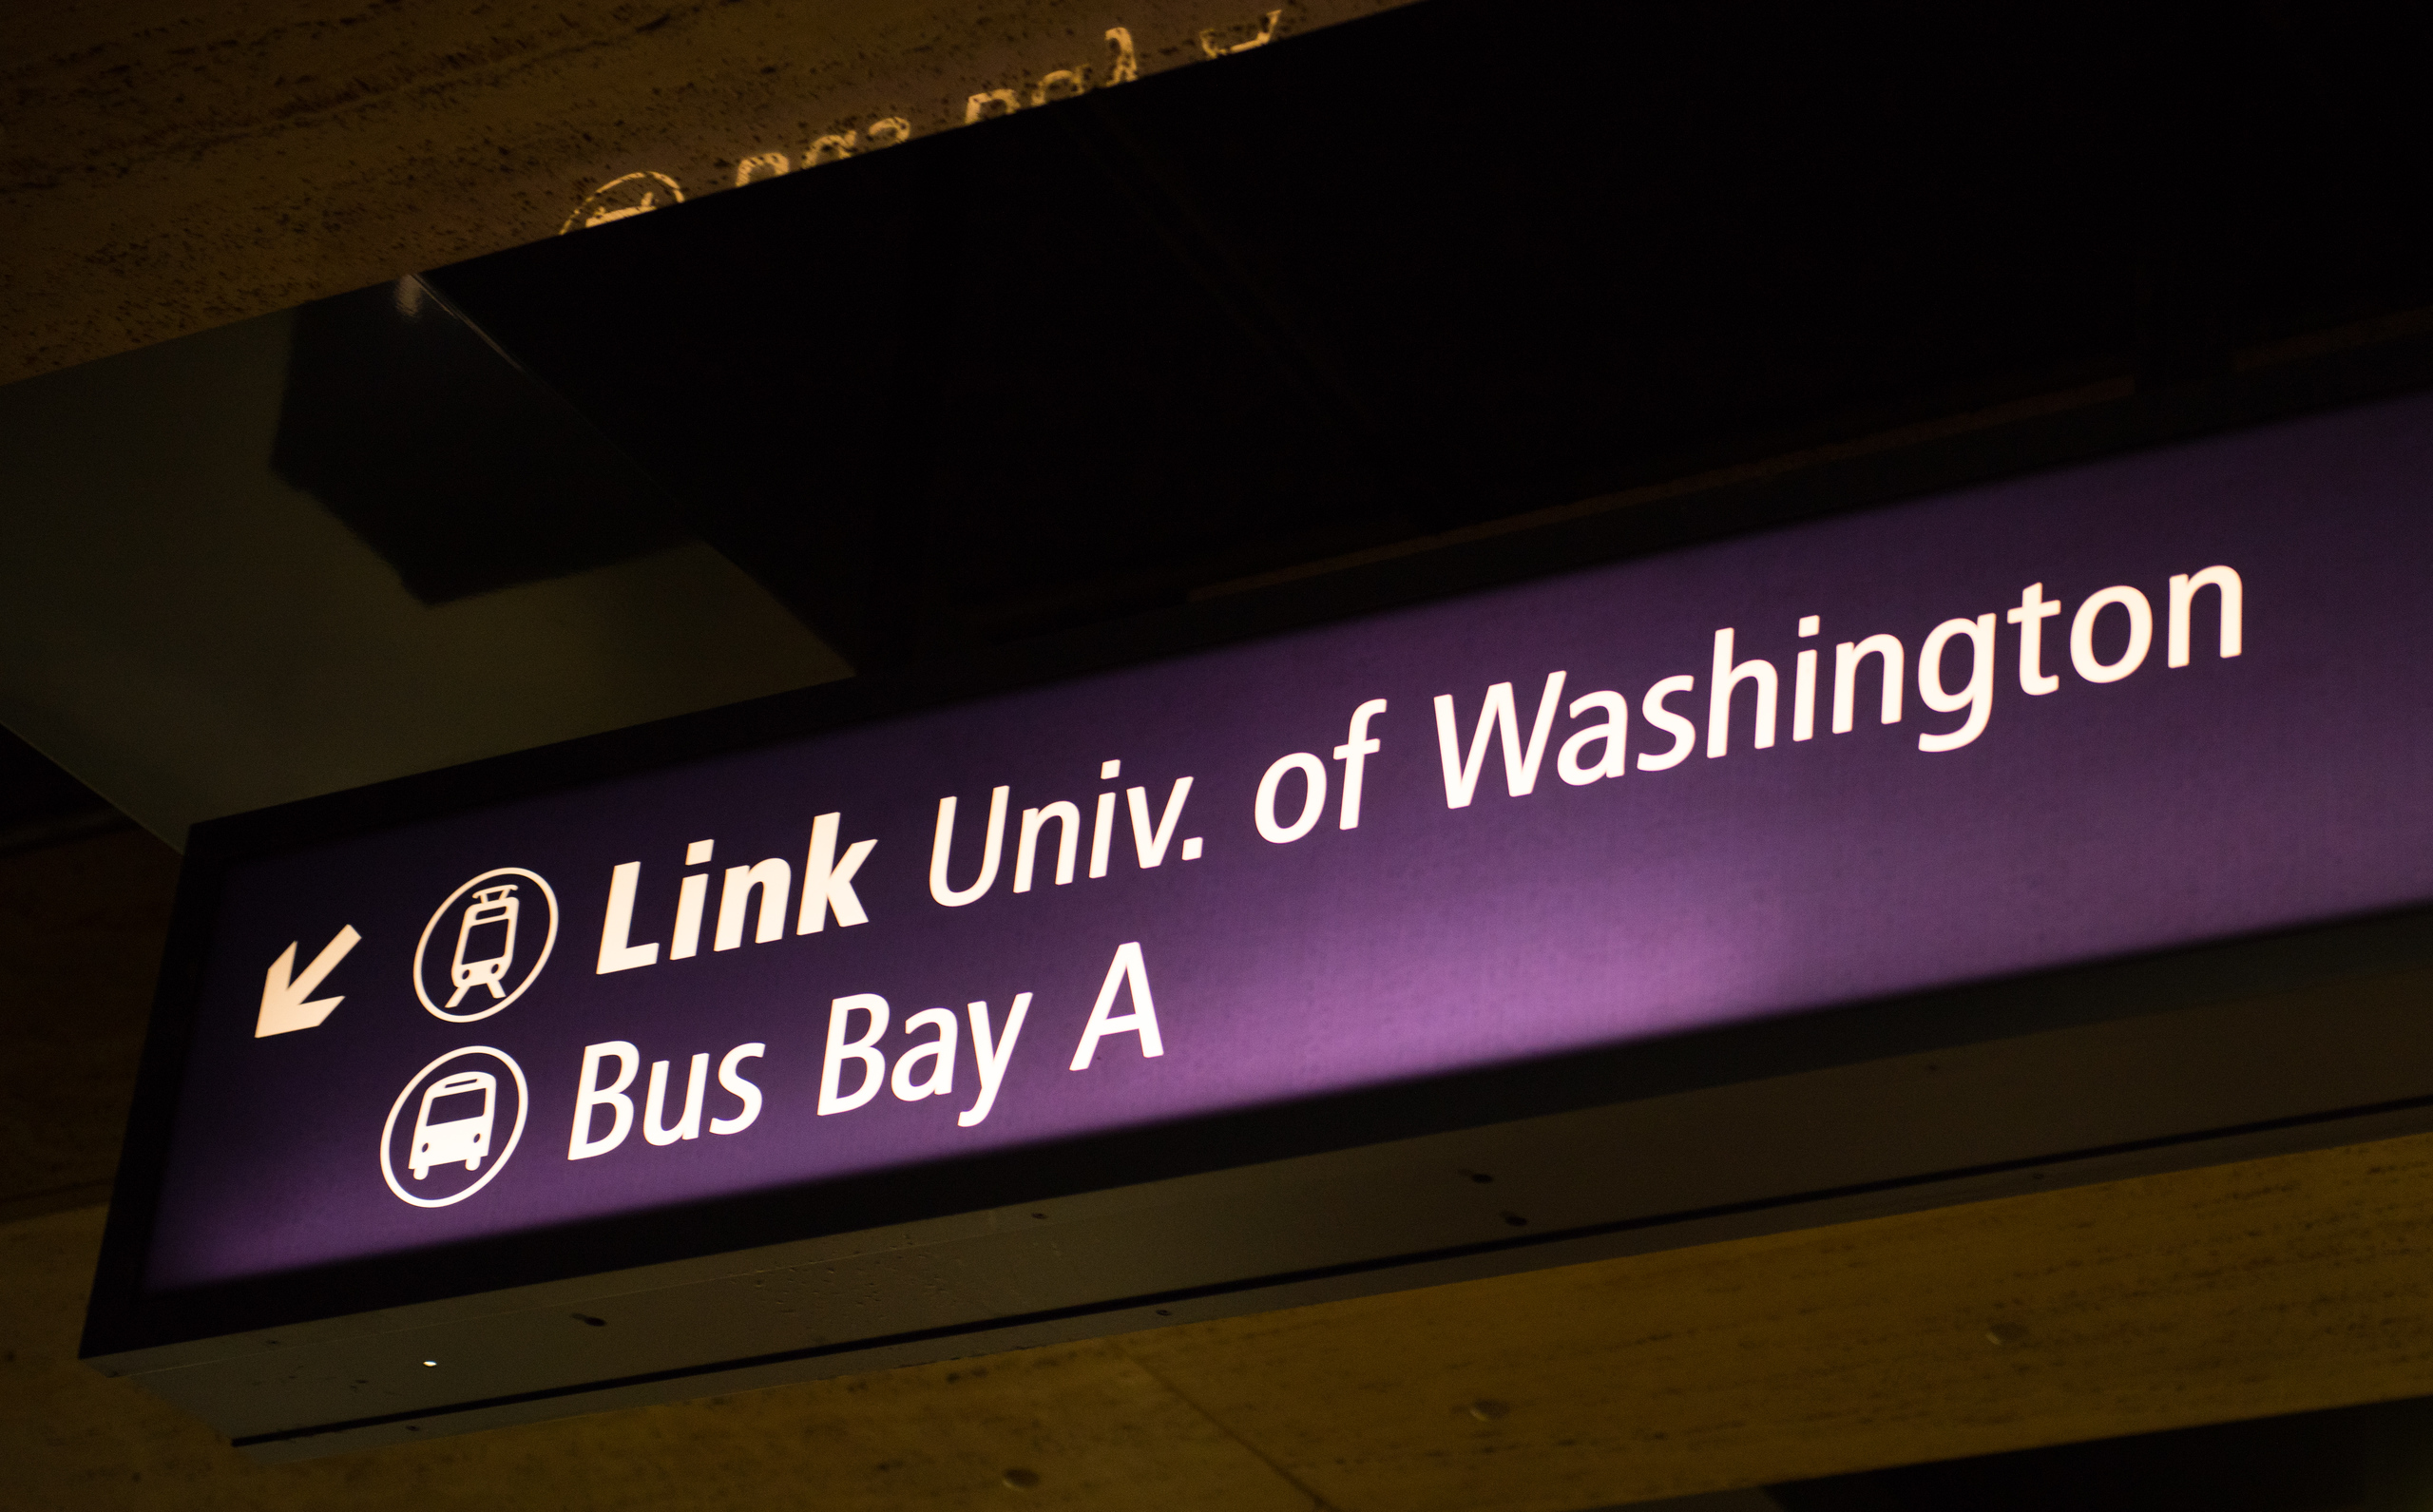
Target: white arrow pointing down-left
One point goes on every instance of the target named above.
(284, 1007)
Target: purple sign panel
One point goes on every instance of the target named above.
(2128, 706)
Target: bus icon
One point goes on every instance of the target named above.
(487, 937)
(462, 1131)
(454, 1126)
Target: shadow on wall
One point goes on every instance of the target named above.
(2377, 1458)
(42, 805)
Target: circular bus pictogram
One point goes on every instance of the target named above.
(451, 1146)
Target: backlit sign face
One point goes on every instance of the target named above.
(2125, 707)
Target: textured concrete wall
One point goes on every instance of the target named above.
(167, 165)
(2270, 1287)
(81, 927)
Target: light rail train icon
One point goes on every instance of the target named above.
(487, 935)
(463, 1139)
(486, 944)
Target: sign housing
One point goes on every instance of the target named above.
(1601, 911)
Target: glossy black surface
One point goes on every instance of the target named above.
(432, 446)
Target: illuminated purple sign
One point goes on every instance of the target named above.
(2120, 708)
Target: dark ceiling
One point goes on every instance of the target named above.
(1445, 265)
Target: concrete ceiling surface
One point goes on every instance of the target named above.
(2275, 1286)
(167, 167)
